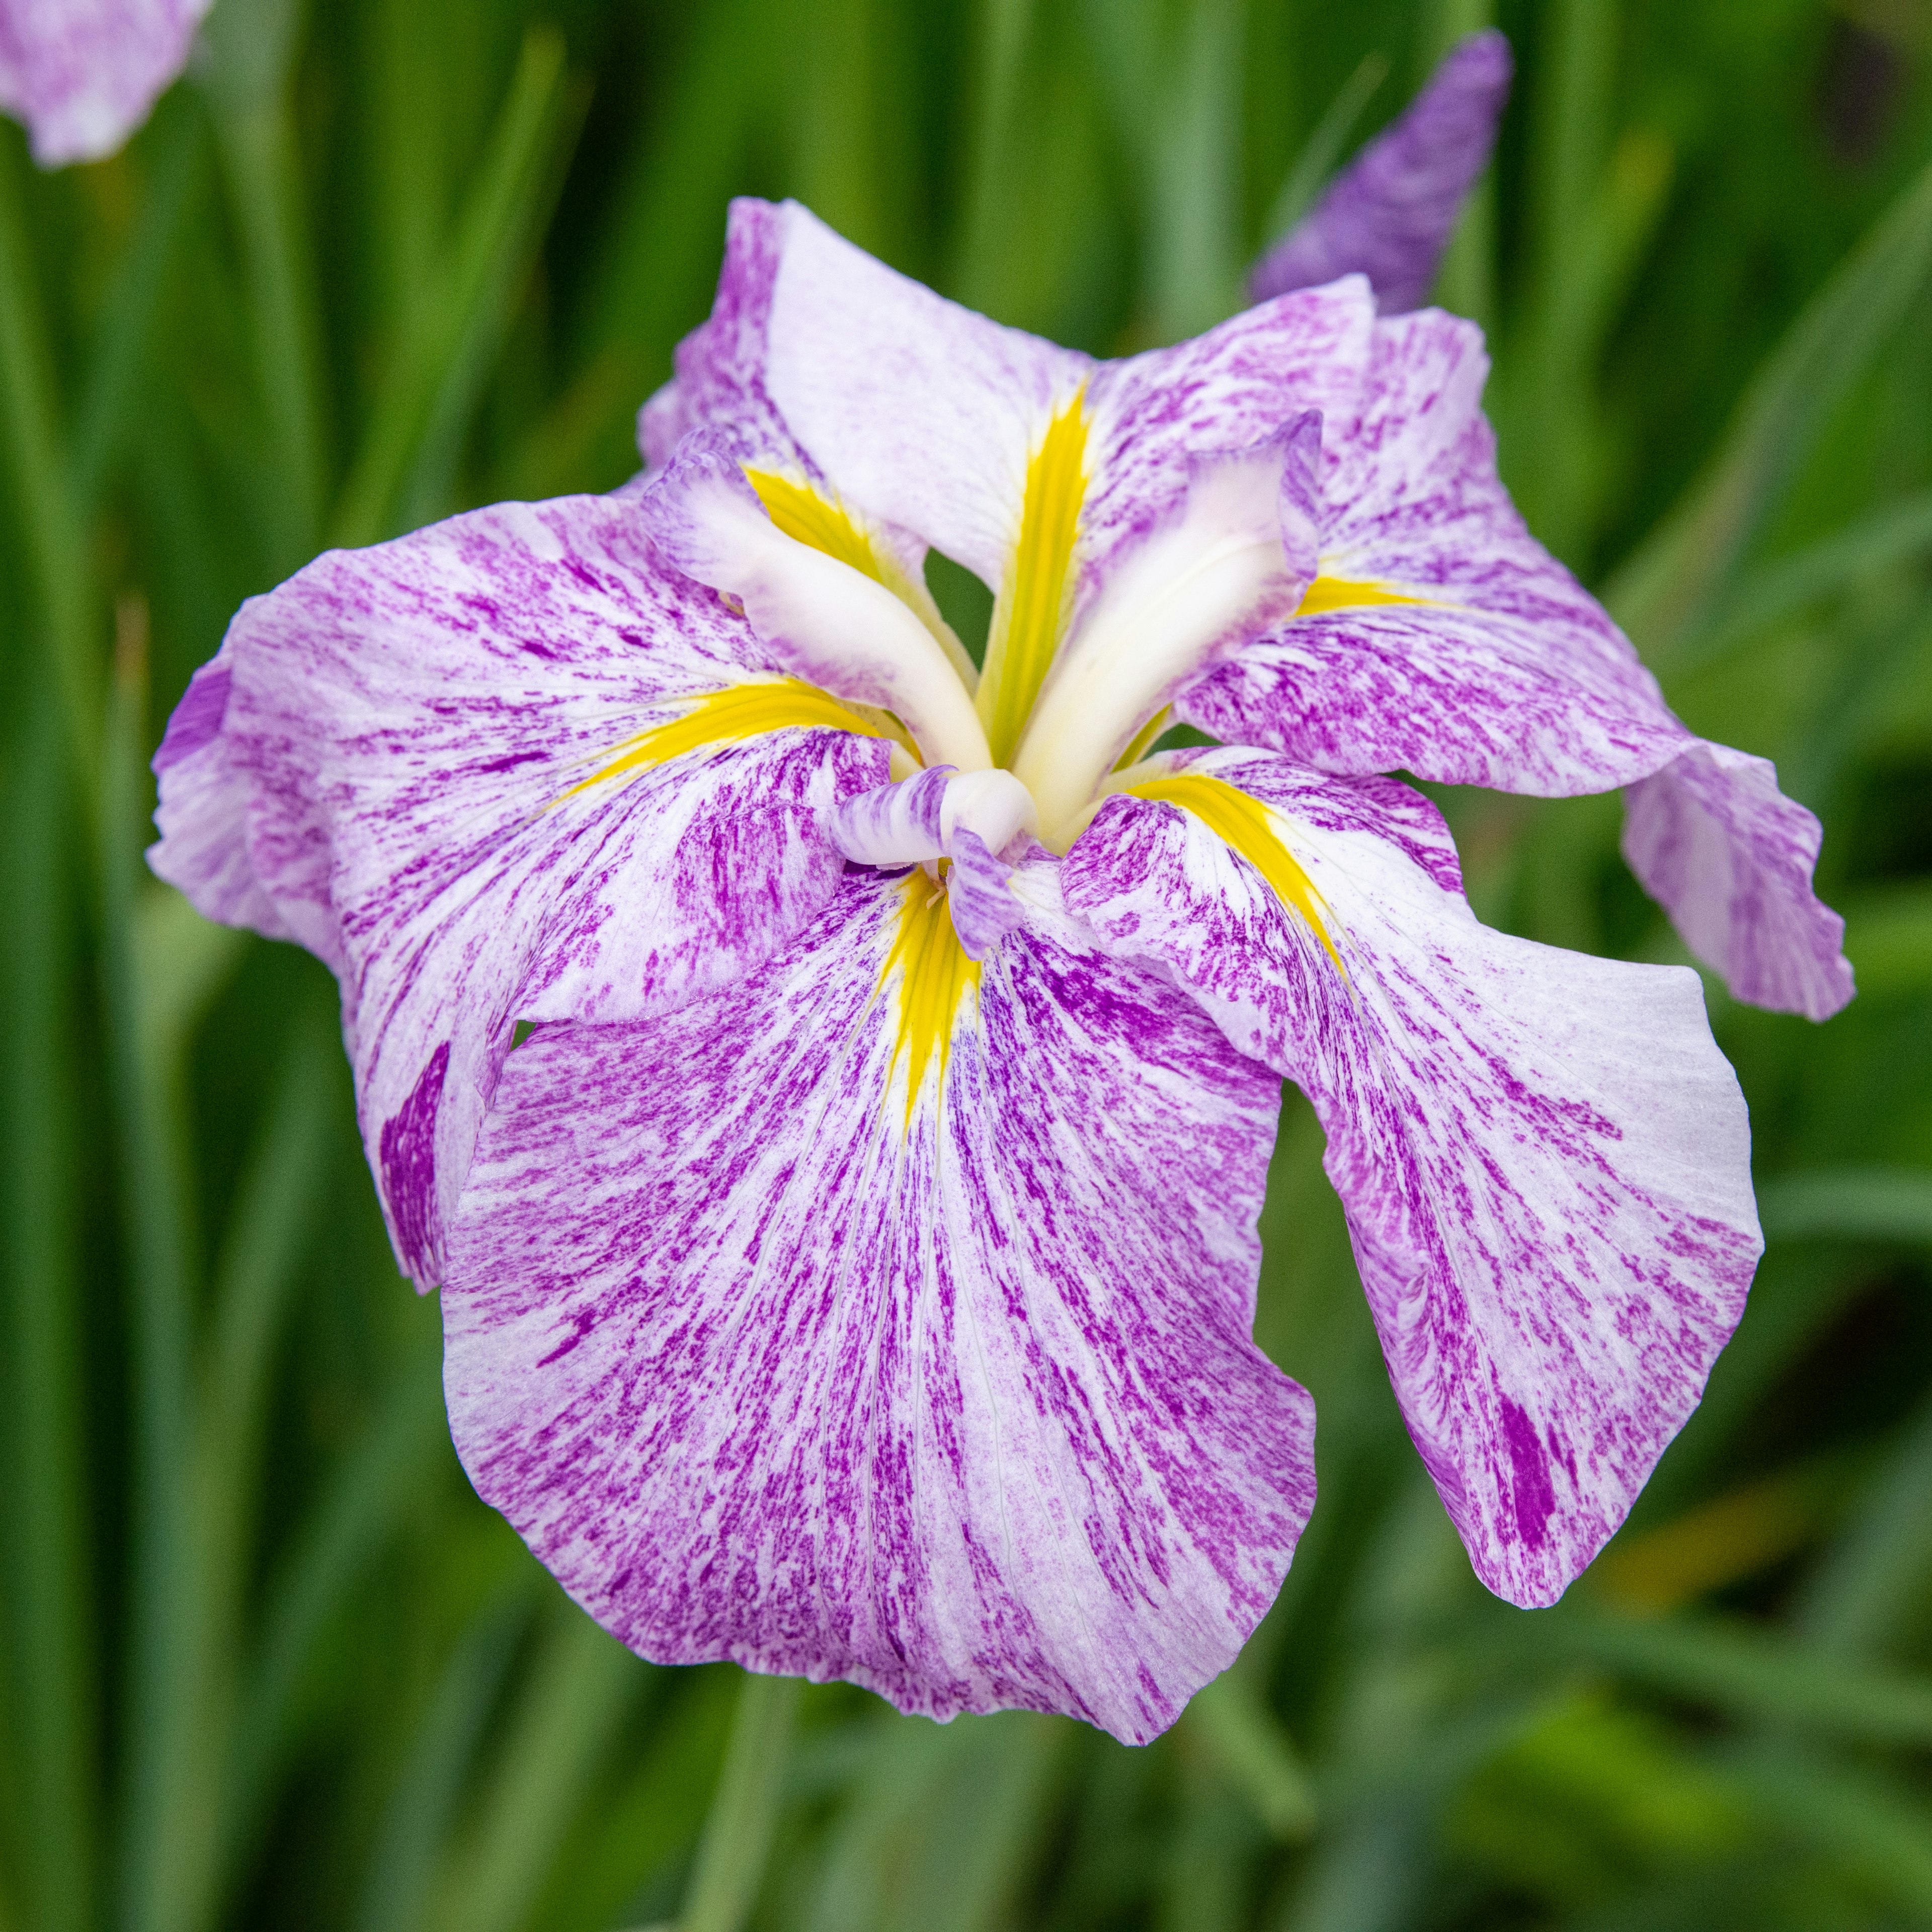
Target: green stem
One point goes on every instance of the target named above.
(744, 1814)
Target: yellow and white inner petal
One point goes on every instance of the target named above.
(1220, 567)
(832, 624)
(822, 521)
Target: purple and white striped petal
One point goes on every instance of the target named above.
(1544, 1159)
(83, 74)
(1440, 638)
(980, 895)
(1390, 215)
(507, 768)
(1155, 417)
(922, 412)
(1730, 858)
(203, 814)
(921, 1361)
(899, 824)
(720, 380)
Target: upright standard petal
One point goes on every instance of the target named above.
(1440, 638)
(1730, 858)
(1544, 1159)
(1390, 214)
(83, 73)
(509, 768)
(923, 412)
(901, 1333)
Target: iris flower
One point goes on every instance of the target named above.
(852, 1271)
(83, 73)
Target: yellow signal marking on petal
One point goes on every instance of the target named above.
(935, 975)
(1034, 599)
(803, 514)
(1249, 826)
(1343, 593)
(739, 711)
(1139, 745)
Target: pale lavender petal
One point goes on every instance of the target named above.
(420, 728)
(922, 411)
(1544, 1159)
(1390, 215)
(896, 825)
(962, 1405)
(1730, 858)
(839, 627)
(202, 850)
(83, 73)
(979, 891)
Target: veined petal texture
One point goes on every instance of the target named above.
(1544, 1159)
(1389, 215)
(507, 768)
(83, 73)
(929, 1368)
(1730, 858)
(1440, 638)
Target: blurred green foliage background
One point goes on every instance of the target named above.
(267, 1662)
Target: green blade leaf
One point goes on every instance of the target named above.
(409, 458)
(1664, 592)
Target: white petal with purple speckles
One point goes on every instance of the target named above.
(83, 73)
(1503, 670)
(1544, 1159)
(922, 411)
(440, 741)
(964, 1407)
(203, 814)
(1730, 858)
(1499, 669)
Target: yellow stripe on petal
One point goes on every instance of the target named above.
(1249, 826)
(808, 516)
(935, 977)
(803, 514)
(1343, 593)
(739, 711)
(1032, 610)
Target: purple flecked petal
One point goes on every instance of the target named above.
(920, 410)
(419, 728)
(720, 379)
(1156, 415)
(896, 825)
(1511, 675)
(963, 1405)
(1390, 215)
(202, 850)
(979, 892)
(1544, 1159)
(1730, 858)
(83, 73)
